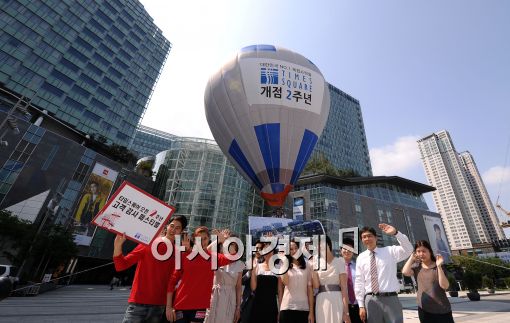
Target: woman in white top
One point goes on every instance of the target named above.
(297, 302)
(332, 302)
(226, 292)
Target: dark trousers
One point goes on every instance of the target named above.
(289, 316)
(189, 316)
(354, 313)
(426, 317)
(140, 313)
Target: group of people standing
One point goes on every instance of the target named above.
(340, 291)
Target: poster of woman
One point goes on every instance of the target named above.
(437, 236)
(92, 200)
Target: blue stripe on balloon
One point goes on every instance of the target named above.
(235, 151)
(305, 150)
(278, 187)
(260, 48)
(268, 135)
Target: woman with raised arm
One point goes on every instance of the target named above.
(430, 274)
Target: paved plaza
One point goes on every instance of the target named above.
(97, 303)
(494, 308)
(74, 303)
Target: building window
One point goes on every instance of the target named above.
(77, 54)
(51, 89)
(73, 67)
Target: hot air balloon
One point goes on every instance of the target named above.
(266, 109)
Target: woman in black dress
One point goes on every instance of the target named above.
(266, 286)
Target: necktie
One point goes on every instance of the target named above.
(350, 288)
(373, 274)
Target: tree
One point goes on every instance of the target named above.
(487, 282)
(473, 280)
(116, 152)
(145, 168)
(320, 164)
(454, 287)
(15, 236)
(53, 246)
(483, 265)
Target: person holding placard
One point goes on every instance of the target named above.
(148, 293)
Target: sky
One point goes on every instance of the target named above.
(416, 67)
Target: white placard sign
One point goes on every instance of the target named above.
(134, 212)
(276, 82)
(46, 278)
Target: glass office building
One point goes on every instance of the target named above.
(149, 141)
(343, 141)
(92, 64)
(365, 201)
(195, 177)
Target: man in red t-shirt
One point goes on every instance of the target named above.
(193, 296)
(148, 293)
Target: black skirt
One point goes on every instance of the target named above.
(265, 307)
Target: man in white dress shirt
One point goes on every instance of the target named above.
(376, 285)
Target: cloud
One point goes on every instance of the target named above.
(397, 158)
(496, 175)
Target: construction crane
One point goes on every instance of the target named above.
(504, 224)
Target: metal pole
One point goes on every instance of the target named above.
(10, 114)
(41, 226)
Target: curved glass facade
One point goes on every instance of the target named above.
(195, 177)
(149, 141)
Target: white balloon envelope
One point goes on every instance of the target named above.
(266, 109)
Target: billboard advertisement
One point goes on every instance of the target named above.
(437, 236)
(134, 212)
(259, 226)
(92, 200)
(297, 208)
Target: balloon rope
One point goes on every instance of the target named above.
(483, 262)
(80, 272)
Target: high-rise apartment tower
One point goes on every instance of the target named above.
(482, 198)
(461, 197)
